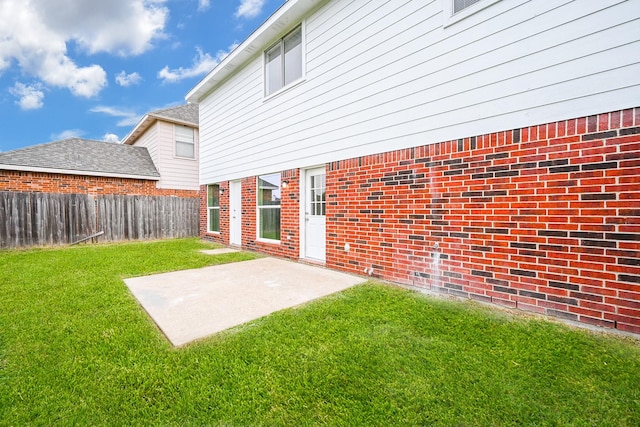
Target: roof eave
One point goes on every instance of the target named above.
(24, 168)
(175, 121)
(280, 21)
(147, 121)
(140, 128)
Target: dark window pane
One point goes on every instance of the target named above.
(214, 219)
(459, 5)
(270, 223)
(269, 196)
(214, 195)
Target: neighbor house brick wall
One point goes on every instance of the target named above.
(544, 218)
(40, 182)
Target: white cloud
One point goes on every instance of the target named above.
(31, 96)
(128, 118)
(111, 137)
(126, 80)
(249, 8)
(36, 37)
(67, 134)
(123, 27)
(203, 5)
(202, 64)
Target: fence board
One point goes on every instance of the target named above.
(147, 217)
(37, 219)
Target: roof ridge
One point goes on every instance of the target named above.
(177, 107)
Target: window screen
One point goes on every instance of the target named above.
(459, 5)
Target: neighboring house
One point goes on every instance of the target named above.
(68, 190)
(485, 149)
(171, 136)
(79, 166)
(145, 188)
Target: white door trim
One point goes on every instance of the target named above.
(304, 199)
(235, 213)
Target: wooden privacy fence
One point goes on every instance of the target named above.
(37, 219)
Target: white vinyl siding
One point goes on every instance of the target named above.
(382, 76)
(175, 172)
(149, 140)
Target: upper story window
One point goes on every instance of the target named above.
(185, 142)
(459, 5)
(457, 10)
(283, 62)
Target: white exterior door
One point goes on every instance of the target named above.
(315, 214)
(235, 213)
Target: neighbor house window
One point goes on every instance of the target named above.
(213, 207)
(269, 206)
(283, 62)
(185, 142)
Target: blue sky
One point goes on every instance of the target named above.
(91, 69)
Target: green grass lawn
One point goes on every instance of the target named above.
(77, 349)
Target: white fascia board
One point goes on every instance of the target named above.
(76, 172)
(289, 14)
(142, 123)
(147, 121)
(175, 121)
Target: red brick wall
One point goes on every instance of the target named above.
(223, 236)
(39, 182)
(544, 218)
(288, 246)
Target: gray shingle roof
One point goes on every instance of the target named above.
(82, 156)
(184, 113)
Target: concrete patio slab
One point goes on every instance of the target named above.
(192, 304)
(219, 251)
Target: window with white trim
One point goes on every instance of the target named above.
(185, 142)
(283, 62)
(459, 5)
(213, 208)
(457, 10)
(269, 196)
